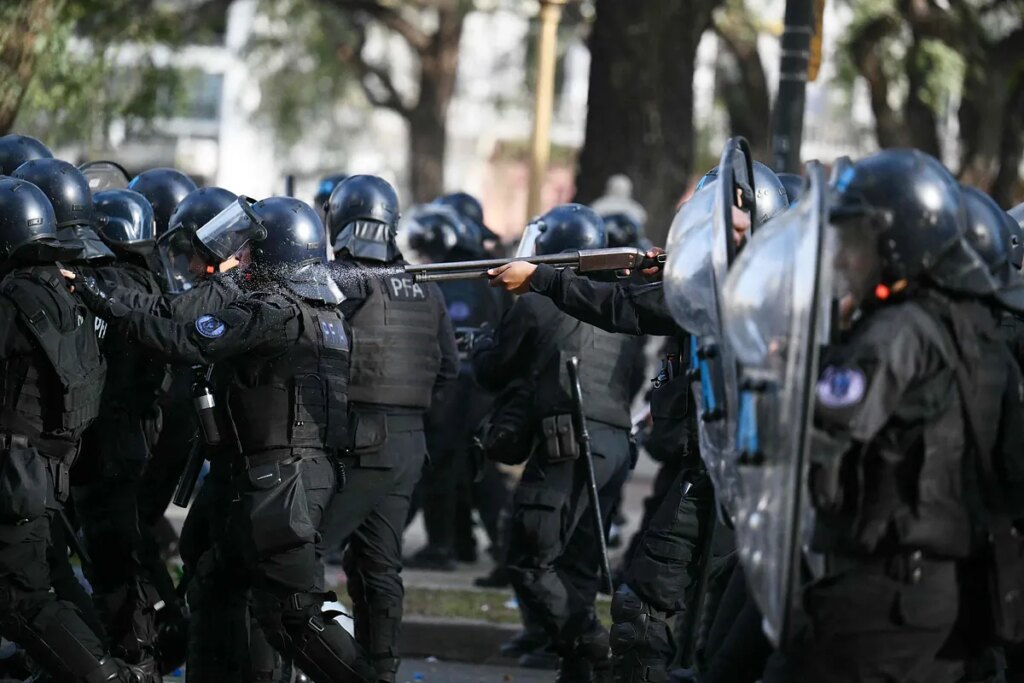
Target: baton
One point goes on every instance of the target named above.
(73, 541)
(583, 436)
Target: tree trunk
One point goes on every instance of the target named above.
(22, 24)
(741, 80)
(640, 113)
(439, 64)
(1004, 187)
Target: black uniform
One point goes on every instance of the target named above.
(115, 451)
(446, 491)
(403, 358)
(52, 380)
(666, 559)
(552, 555)
(287, 406)
(222, 644)
(891, 483)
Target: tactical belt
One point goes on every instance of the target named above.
(398, 422)
(9, 441)
(279, 454)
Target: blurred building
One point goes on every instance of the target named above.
(215, 134)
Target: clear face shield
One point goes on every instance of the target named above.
(528, 242)
(181, 264)
(231, 229)
(104, 175)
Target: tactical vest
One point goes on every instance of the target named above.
(395, 353)
(606, 365)
(299, 398)
(57, 390)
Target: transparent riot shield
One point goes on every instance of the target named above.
(777, 304)
(701, 247)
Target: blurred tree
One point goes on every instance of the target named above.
(740, 79)
(59, 77)
(334, 55)
(640, 113)
(928, 64)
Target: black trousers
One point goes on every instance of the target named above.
(553, 549)
(368, 519)
(870, 625)
(115, 451)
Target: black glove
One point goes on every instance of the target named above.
(98, 301)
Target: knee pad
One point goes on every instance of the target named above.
(640, 639)
(317, 644)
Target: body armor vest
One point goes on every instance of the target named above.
(395, 353)
(57, 389)
(606, 365)
(299, 398)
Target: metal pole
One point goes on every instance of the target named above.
(540, 143)
(788, 128)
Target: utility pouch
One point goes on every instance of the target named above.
(560, 443)
(278, 511)
(369, 432)
(1006, 579)
(25, 489)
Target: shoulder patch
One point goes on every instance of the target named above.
(840, 387)
(332, 334)
(210, 326)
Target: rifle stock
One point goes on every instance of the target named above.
(585, 261)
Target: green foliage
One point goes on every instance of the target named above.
(304, 58)
(78, 89)
(944, 68)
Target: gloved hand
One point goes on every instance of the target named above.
(99, 301)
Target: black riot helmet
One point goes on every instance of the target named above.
(64, 185)
(793, 184)
(362, 218)
(989, 234)
(570, 227)
(180, 263)
(471, 211)
(199, 206)
(17, 149)
(910, 203)
(438, 234)
(770, 197)
(164, 188)
(124, 219)
(323, 192)
(28, 229)
(68, 191)
(287, 244)
(625, 231)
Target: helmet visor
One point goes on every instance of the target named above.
(231, 229)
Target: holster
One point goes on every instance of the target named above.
(24, 486)
(560, 443)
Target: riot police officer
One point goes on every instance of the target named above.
(53, 378)
(323, 193)
(471, 210)
(665, 561)
(438, 234)
(17, 149)
(550, 529)
(285, 346)
(403, 359)
(906, 409)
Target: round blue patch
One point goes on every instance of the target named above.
(210, 327)
(459, 310)
(841, 387)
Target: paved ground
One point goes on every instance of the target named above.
(425, 671)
